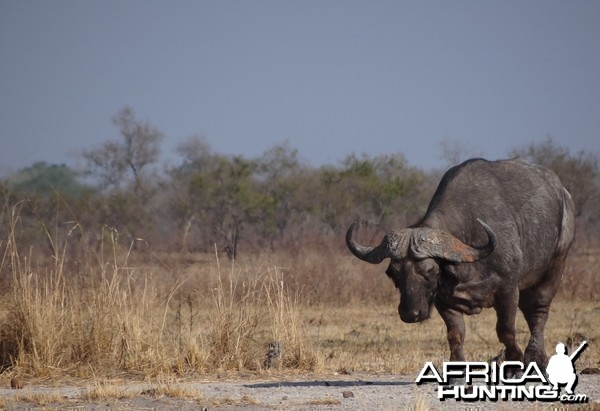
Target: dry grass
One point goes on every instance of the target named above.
(123, 313)
(39, 399)
(102, 390)
(581, 277)
(373, 339)
(233, 402)
(173, 390)
(420, 403)
(324, 402)
(125, 319)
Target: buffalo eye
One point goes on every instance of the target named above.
(428, 268)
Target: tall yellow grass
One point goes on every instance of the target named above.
(118, 318)
(123, 312)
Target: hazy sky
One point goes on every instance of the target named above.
(331, 77)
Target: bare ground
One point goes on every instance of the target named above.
(300, 392)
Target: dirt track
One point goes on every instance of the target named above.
(365, 391)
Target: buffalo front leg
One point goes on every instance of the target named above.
(455, 326)
(505, 305)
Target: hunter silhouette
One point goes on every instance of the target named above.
(560, 367)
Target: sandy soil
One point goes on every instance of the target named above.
(364, 391)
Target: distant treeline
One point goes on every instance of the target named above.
(238, 204)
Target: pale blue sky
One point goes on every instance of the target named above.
(330, 77)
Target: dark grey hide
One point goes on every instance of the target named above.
(496, 234)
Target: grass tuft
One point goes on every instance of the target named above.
(117, 317)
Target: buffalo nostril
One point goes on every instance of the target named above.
(410, 316)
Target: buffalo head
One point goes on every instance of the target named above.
(417, 256)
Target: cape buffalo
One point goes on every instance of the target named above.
(495, 234)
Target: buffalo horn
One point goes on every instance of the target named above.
(429, 242)
(394, 245)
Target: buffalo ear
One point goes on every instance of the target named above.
(456, 274)
(449, 269)
(463, 282)
(480, 290)
(448, 279)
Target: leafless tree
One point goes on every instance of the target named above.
(138, 148)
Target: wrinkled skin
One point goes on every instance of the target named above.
(496, 234)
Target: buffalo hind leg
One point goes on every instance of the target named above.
(536, 316)
(505, 305)
(534, 303)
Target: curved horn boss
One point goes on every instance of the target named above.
(430, 242)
